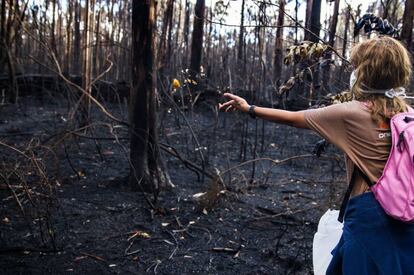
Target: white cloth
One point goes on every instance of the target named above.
(390, 93)
(325, 239)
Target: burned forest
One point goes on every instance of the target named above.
(115, 157)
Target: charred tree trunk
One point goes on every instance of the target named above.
(169, 38)
(166, 28)
(241, 35)
(345, 38)
(208, 46)
(186, 29)
(68, 38)
(331, 42)
(77, 41)
(12, 25)
(2, 35)
(3, 19)
(407, 28)
(121, 16)
(144, 154)
(333, 24)
(53, 29)
(97, 56)
(197, 39)
(308, 19)
(277, 63)
(177, 43)
(393, 15)
(87, 62)
(385, 6)
(315, 21)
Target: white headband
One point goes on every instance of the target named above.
(390, 93)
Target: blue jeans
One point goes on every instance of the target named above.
(372, 242)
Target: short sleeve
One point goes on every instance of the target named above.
(329, 123)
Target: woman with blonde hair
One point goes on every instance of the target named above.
(372, 242)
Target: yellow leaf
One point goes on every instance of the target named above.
(176, 83)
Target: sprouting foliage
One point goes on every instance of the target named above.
(370, 22)
(306, 50)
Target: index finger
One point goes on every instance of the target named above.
(230, 96)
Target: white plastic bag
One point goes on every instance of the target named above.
(325, 239)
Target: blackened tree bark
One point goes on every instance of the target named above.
(2, 34)
(315, 21)
(163, 43)
(77, 40)
(208, 43)
(385, 8)
(197, 40)
(87, 62)
(98, 46)
(144, 154)
(241, 34)
(331, 42)
(169, 37)
(345, 38)
(3, 19)
(186, 29)
(308, 18)
(12, 39)
(333, 24)
(53, 29)
(68, 49)
(277, 63)
(407, 28)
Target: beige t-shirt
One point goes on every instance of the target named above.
(350, 127)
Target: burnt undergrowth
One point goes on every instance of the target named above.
(66, 208)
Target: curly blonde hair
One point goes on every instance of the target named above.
(381, 63)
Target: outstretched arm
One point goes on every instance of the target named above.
(295, 119)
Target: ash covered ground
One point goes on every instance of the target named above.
(261, 224)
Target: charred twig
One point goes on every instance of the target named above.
(190, 165)
(189, 127)
(286, 213)
(176, 245)
(16, 198)
(155, 265)
(127, 252)
(274, 161)
(98, 258)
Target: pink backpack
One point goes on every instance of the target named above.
(395, 188)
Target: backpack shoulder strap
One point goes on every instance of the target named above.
(351, 185)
